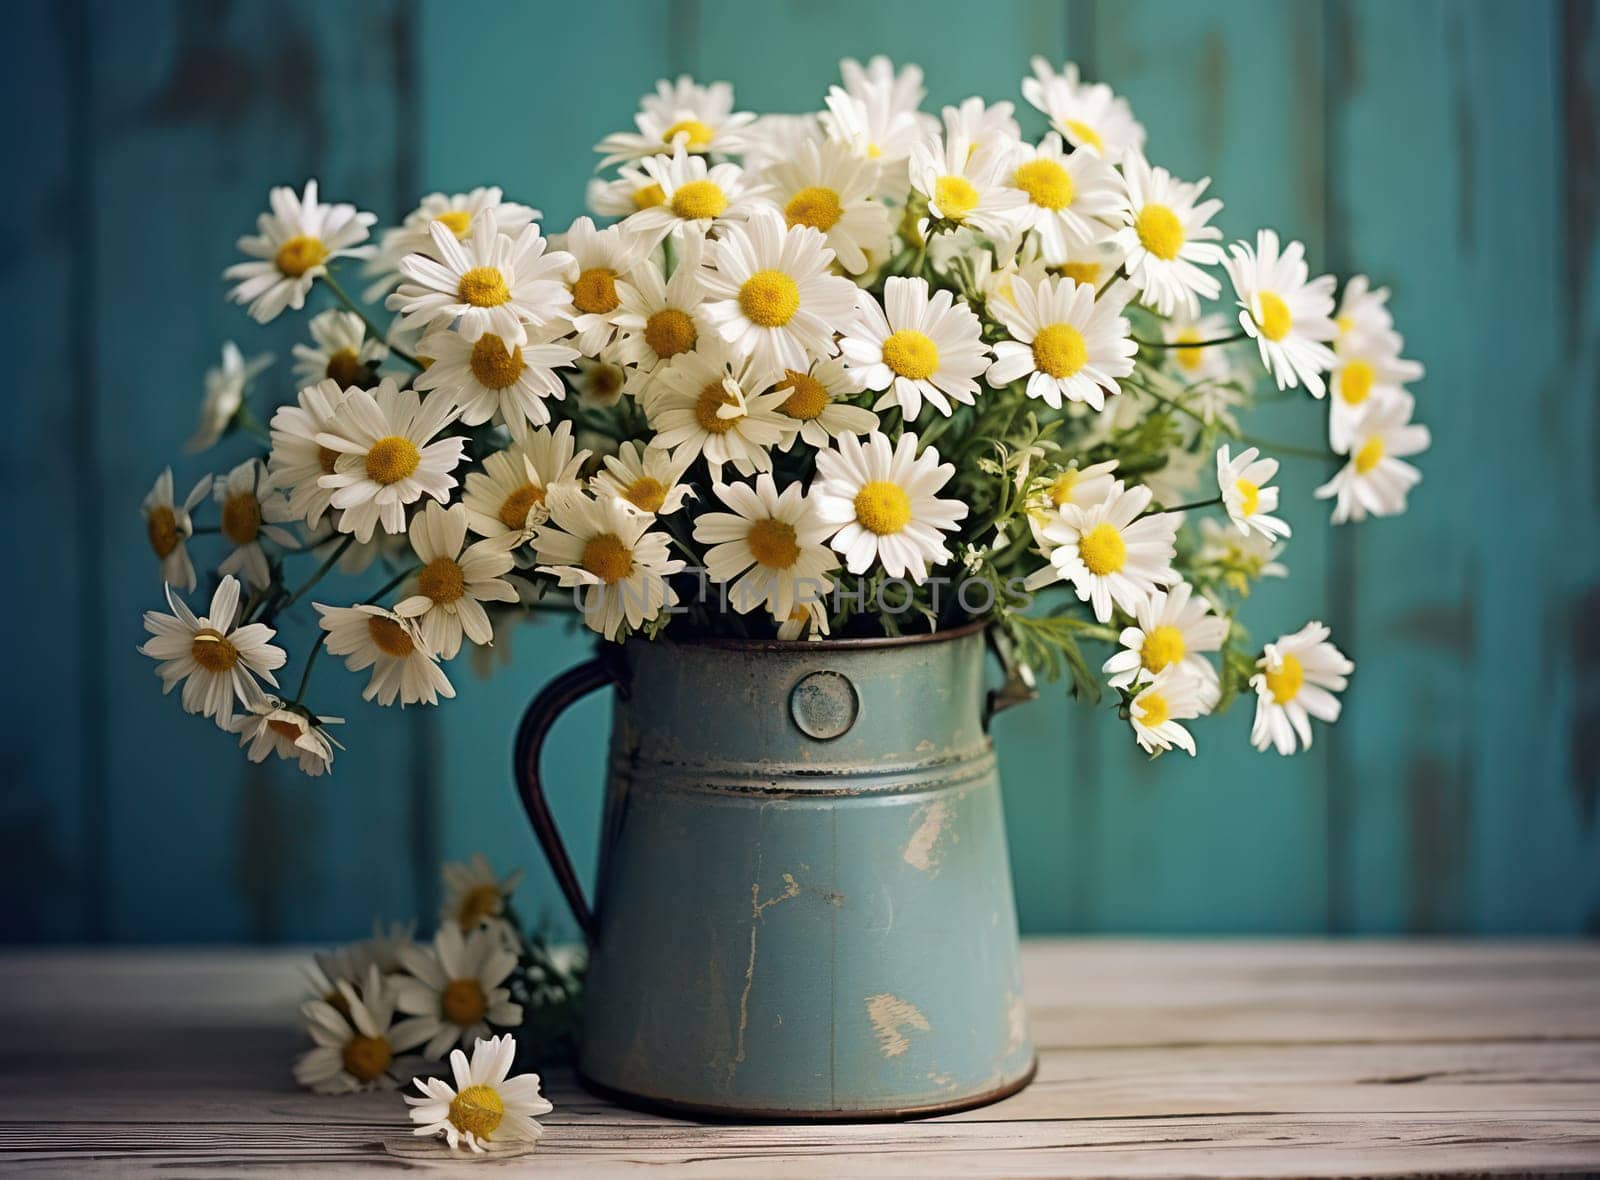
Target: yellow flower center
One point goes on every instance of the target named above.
(1082, 133)
(1059, 350)
(477, 1111)
(698, 200)
(607, 558)
(772, 543)
(874, 152)
(299, 254)
(390, 637)
(1284, 685)
(345, 367)
(514, 508)
(212, 650)
(1085, 274)
(882, 507)
(807, 398)
(1344, 323)
(442, 580)
(462, 1002)
(392, 459)
(699, 134)
(769, 298)
(1162, 646)
(291, 732)
(646, 493)
(669, 332)
(327, 459)
(457, 221)
(595, 292)
(1355, 382)
(955, 197)
(1046, 182)
(492, 365)
(366, 1058)
(817, 207)
(1275, 320)
(1370, 455)
(161, 526)
(910, 354)
(1249, 496)
(1153, 709)
(707, 409)
(483, 286)
(1061, 487)
(1160, 231)
(1188, 359)
(1103, 550)
(241, 518)
(477, 903)
(648, 196)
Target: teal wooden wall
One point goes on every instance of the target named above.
(1450, 148)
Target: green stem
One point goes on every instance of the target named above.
(1267, 446)
(1239, 335)
(1181, 507)
(1144, 388)
(321, 572)
(390, 585)
(311, 662)
(343, 297)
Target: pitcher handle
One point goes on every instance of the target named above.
(552, 700)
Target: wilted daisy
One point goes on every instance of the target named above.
(600, 383)
(1295, 680)
(771, 293)
(771, 549)
(485, 1106)
(248, 514)
(658, 317)
(387, 456)
(297, 461)
(1365, 375)
(1067, 343)
(293, 247)
(391, 645)
(964, 182)
(646, 477)
(915, 347)
(880, 497)
(828, 187)
(454, 211)
(509, 494)
(490, 282)
(1376, 478)
(341, 351)
(476, 896)
(608, 551)
(1073, 202)
(224, 394)
(705, 403)
(603, 257)
(1167, 240)
(815, 400)
(1089, 114)
(1173, 628)
(269, 726)
(487, 380)
(1250, 503)
(1110, 552)
(695, 196)
(447, 594)
(169, 525)
(452, 989)
(681, 115)
(357, 1043)
(1175, 694)
(1285, 314)
(216, 662)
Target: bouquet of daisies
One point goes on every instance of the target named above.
(862, 371)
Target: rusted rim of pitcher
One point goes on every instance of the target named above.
(735, 643)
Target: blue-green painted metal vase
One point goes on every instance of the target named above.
(804, 905)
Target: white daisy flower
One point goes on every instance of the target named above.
(981, 123)
(1068, 344)
(1209, 364)
(1073, 202)
(915, 347)
(447, 594)
(632, 190)
(356, 1046)
(269, 726)
(771, 139)
(681, 115)
(815, 399)
(880, 498)
(1084, 486)
(1175, 694)
(604, 256)
(1173, 627)
(387, 456)
(488, 380)
(1167, 240)
(660, 318)
(1249, 501)
(1089, 114)
(509, 494)
(485, 1106)
(828, 187)
(875, 125)
(1238, 560)
(600, 383)
(491, 282)
(392, 646)
(996, 267)
(903, 85)
(608, 549)
(965, 183)
(646, 477)
(1286, 315)
(771, 549)
(169, 527)
(224, 394)
(1110, 551)
(1093, 266)
(297, 461)
(452, 989)
(706, 403)
(216, 662)
(1295, 681)
(455, 212)
(695, 198)
(1363, 320)
(341, 351)
(1365, 374)
(297, 240)
(476, 896)
(1377, 478)
(248, 514)
(771, 293)
(808, 620)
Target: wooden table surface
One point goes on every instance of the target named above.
(1156, 1059)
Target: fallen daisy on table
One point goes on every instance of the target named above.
(484, 1106)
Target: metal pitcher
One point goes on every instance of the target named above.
(804, 904)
